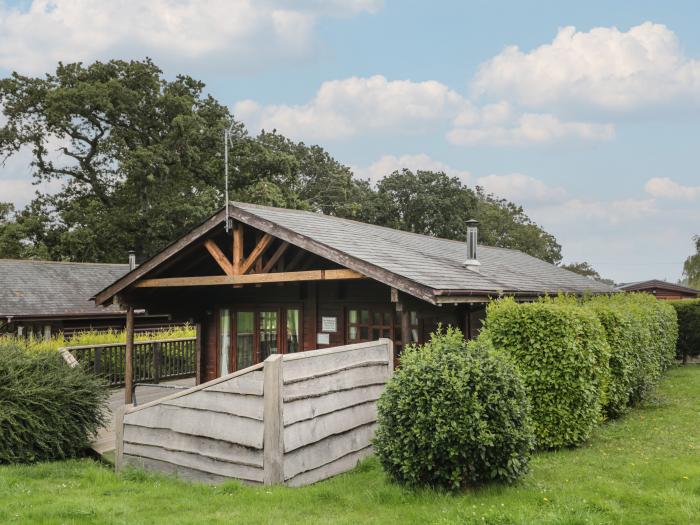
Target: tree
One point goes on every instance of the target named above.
(139, 157)
(585, 268)
(691, 266)
(432, 203)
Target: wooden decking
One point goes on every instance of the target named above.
(104, 441)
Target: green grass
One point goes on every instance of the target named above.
(644, 468)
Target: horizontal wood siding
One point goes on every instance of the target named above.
(208, 433)
(329, 410)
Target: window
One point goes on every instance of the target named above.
(414, 333)
(293, 330)
(368, 325)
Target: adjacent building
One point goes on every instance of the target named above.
(661, 289)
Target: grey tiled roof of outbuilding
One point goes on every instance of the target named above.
(430, 261)
(46, 288)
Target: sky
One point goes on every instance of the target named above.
(585, 113)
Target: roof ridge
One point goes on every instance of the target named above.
(45, 261)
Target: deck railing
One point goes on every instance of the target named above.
(153, 360)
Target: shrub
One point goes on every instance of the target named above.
(618, 324)
(47, 409)
(453, 415)
(688, 312)
(562, 355)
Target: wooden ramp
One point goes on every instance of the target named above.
(104, 442)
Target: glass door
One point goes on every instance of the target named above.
(245, 339)
(267, 322)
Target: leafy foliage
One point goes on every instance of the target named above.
(691, 266)
(94, 337)
(688, 312)
(642, 333)
(139, 160)
(47, 409)
(453, 415)
(586, 269)
(562, 355)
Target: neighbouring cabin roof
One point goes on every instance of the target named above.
(427, 267)
(657, 284)
(30, 288)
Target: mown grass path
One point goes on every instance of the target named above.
(644, 468)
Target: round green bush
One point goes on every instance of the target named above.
(453, 415)
(561, 353)
(47, 409)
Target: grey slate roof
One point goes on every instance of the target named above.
(656, 283)
(430, 261)
(45, 288)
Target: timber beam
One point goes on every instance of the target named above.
(219, 257)
(255, 278)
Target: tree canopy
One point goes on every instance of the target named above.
(586, 269)
(139, 159)
(691, 266)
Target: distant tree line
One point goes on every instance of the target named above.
(139, 159)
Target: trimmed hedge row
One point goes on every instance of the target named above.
(583, 360)
(454, 414)
(688, 312)
(562, 355)
(47, 409)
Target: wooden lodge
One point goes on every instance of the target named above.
(258, 281)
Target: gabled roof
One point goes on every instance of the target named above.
(657, 283)
(423, 266)
(31, 288)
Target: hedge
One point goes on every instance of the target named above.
(688, 312)
(453, 415)
(561, 352)
(47, 409)
(641, 332)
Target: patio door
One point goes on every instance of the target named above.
(249, 336)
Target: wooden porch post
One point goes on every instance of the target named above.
(129, 357)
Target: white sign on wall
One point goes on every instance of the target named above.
(329, 324)
(323, 339)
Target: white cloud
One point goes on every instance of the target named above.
(528, 128)
(612, 212)
(344, 108)
(241, 33)
(521, 188)
(387, 164)
(666, 188)
(604, 67)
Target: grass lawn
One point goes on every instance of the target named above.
(644, 468)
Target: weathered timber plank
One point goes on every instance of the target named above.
(319, 364)
(195, 461)
(228, 403)
(341, 380)
(327, 450)
(242, 430)
(219, 257)
(178, 471)
(307, 408)
(256, 253)
(273, 453)
(210, 385)
(212, 448)
(339, 466)
(249, 384)
(313, 430)
(254, 278)
(269, 265)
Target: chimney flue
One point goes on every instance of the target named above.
(132, 260)
(472, 263)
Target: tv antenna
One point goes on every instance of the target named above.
(228, 141)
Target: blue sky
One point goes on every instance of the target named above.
(585, 113)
